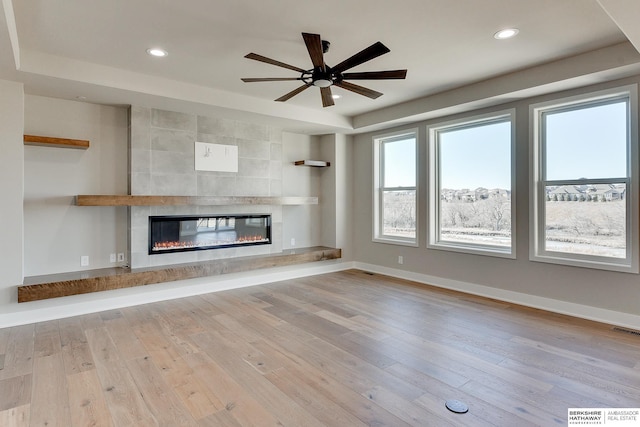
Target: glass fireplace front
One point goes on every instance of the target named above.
(194, 233)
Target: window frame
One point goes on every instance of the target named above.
(538, 181)
(433, 160)
(378, 235)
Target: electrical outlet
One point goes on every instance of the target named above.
(84, 261)
(121, 257)
(112, 258)
(293, 241)
(400, 259)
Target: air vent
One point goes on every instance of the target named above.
(627, 331)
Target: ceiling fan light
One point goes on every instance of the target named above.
(322, 83)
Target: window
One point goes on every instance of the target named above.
(471, 192)
(395, 188)
(584, 175)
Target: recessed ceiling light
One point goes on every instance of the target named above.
(157, 52)
(507, 33)
(336, 96)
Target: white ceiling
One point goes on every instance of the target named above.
(96, 49)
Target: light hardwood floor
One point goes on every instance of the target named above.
(342, 349)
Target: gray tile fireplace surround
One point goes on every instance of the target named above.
(161, 154)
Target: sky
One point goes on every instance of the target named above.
(584, 143)
(400, 163)
(587, 143)
(476, 157)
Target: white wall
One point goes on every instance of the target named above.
(585, 291)
(301, 223)
(56, 232)
(11, 190)
(336, 196)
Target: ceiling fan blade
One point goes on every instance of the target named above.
(376, 75)
(327, 98)
(358, 89)
(269, 79)
(364, 55)
(261, 58)
(314, 46)
(292, 93)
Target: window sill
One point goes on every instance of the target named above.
(392, 241)
(598, 265)
(474, 250)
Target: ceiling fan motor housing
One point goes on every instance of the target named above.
(322, 78)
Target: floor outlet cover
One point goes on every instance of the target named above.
(456, 406)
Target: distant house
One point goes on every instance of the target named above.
(480, 193)
(606, 192)
(468, 196)
(500, 192)
(565, 193)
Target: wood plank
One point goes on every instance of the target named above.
(4, 340)
(47, 339)
(15, 417)
(86, 401)
(18, 358)
(222, 418)
(407, 411)
(123, 397)
(305, 393)
(75, 349)
(163, 403)
(66, 284)
(288, 412)
(128, 344)
(50, 401)
(437, 392)
(147, 200)
(15, 392)
(238, 402)
(48, 141)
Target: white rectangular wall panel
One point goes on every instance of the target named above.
(216, 157)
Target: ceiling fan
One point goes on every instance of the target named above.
(324, 76)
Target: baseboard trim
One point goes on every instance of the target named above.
(59, 308)
(548, 304)
(41, 311)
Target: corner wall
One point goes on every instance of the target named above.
(11, 188)
(337, 193)
(57, 233)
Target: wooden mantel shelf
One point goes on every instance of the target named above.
(312, 163)
(82, 282)
(48, 141)
(128, 200)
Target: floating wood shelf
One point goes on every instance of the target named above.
(313, 163)
(47, 141)
(83, 282)
(128, 200)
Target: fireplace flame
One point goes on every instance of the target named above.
(169, 245)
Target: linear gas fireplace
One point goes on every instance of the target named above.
(195, 233)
